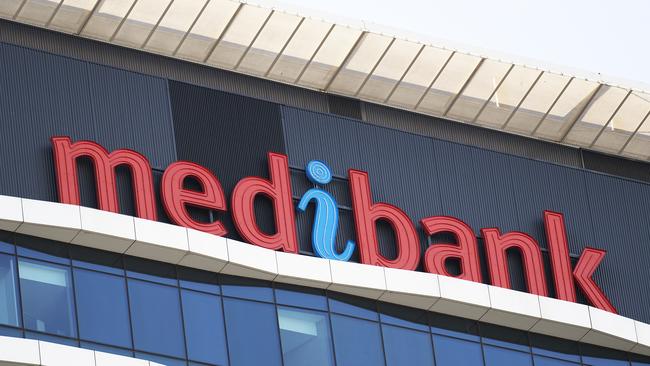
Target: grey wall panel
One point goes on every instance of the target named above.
(134, 113)
(228, 134)
(160, 66)
(476, 186)
(470, 135)
(619, 212)
(539, 186)
(44, 95)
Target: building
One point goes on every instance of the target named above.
(195, 182)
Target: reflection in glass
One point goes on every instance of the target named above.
(406, 347)
(356, 341)
(156, 317)
(456, 352)
(252, 326)
(305, 337)
(497, 356)
(47, 299)
(102, 307)
(8, 300)
(204, 327)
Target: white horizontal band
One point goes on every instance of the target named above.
(187, 247)
(19, 351)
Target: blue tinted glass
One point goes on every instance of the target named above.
(252, 329)
(456, 352)
(107, 349)
(305, 337)
(97, 260)
(554, 347)
(38, 248)
(51, 338)
(160, 359)
(353, 306)
(403, 316)
(11, 332)
(356, 341)
(406, 347)
(156, 317)
(198, 280)
(640, 363)
(102, 307)
(454, 327)
(150, 271)
(204, 328)
(497, 356)
(303, 299)
(547, 361)
(7, 248)
(246, 288)
(597, 356)
(46, 291)
(602, 361)
(9, 313)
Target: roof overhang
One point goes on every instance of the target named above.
(360, 63)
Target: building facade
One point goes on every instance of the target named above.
(161, 207)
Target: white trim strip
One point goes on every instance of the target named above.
(19, 351)
(178, 245)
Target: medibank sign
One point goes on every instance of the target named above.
(277, 188)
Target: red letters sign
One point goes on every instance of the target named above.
(277, 188)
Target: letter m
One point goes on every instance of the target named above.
(66, 154)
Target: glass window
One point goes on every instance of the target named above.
(47, 299)
(554, 347)
(403, 316)
(547, 361)
(43, 249)
(8, 292)
(497, 356)
(204, 328)
(107, 349)
(247, 288)
(156, 317)
(198, 280)
(596, 356)
(356, 341)
(305, 337)
(302, 297)
(102, 307)
(456, 352)
(160, 359)
(150, 271)
(252, 326)
(353, 306)
(406, 347)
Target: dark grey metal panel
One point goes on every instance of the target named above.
(470, 135)
(44, 95)
(619, 212)
(156, 65)
(132, 110)
(539, 186)
(616, 166)
(476, 186)
(401, 166)
(228, 134)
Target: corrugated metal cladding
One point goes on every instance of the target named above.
(616, 166)
(426, 176)
(150, 64)
(45, 95)
(228, 134)
(470, 135)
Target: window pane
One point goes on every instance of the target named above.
(456, 352)
(156, 316)
(46, 293)
(497, 356)
(353, 306)
(246, 288)
(406, 347)
(305, 337)
(356, 341)
(597, 356)
(546, 361)
(204, 328)
(302, 297)
(8, 292)
(252, 326)
(103, 308)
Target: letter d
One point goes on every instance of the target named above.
(278, 190)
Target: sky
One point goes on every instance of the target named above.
(610, 38)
